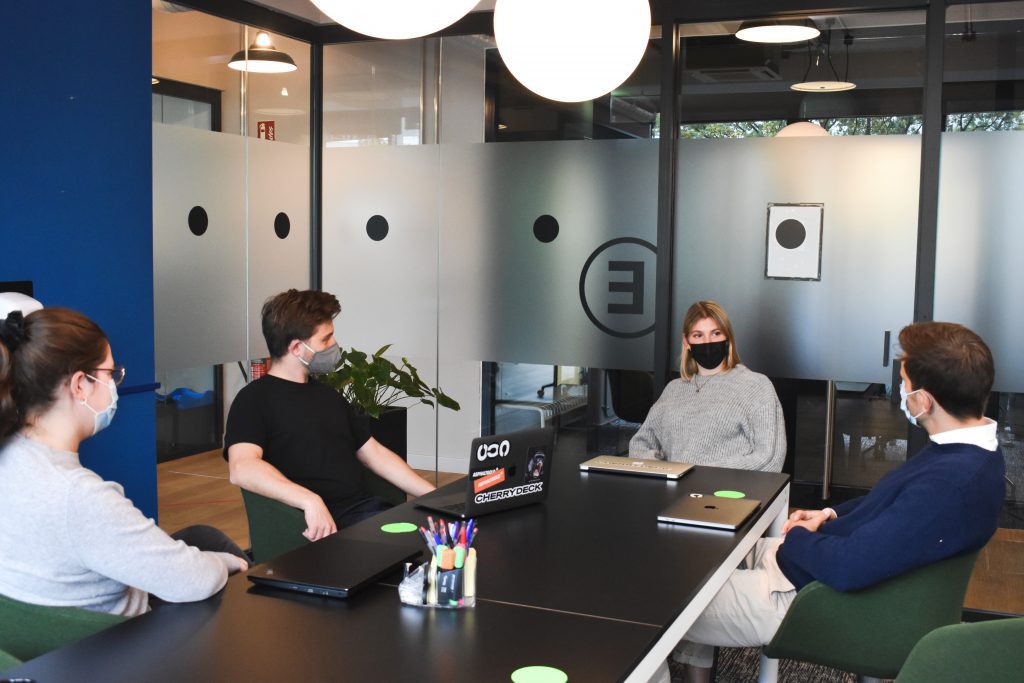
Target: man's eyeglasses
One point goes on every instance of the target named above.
(117, 373)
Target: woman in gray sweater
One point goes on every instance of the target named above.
(718, 412)
(70, 538)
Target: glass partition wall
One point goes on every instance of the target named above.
(504, 272)
(819, 311)
(231, 218)
(508, 245)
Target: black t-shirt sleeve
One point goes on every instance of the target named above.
(246, 423)
(359, 426)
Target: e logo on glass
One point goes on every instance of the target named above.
(617, 287)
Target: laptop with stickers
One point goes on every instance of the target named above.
(505, 471)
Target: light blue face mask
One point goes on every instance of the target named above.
(903, 404)
(103, 418)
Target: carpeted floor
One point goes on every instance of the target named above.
(741, 664)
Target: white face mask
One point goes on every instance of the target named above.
(903, 404)
(103, 418)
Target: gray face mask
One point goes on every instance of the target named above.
(322, 361)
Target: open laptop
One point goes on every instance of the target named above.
(505, 471)
(706, 510)
(664, 469)
(334, 566)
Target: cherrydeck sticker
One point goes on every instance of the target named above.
(489, 480)
(514, 492)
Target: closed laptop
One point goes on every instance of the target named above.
(334, 566)
(710, 511)
(663, 469)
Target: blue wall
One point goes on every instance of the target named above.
(77, 195)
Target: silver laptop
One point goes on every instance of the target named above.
(664, 469)
(706, 510)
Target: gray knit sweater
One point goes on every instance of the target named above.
(69, 538)
(735, 420)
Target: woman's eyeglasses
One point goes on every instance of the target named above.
(117, 373)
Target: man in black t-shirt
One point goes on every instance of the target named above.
(298, 441)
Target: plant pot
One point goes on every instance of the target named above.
(391, 430)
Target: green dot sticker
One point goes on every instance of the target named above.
(730, 494)
(539, 674)
(398, 528)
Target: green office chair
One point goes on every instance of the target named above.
(274, 528)
(8, 661)
(376, 485)
(27, 631)
(989, 651)
(870, 632)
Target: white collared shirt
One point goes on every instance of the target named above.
(982, 436)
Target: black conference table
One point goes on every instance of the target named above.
(589, 582)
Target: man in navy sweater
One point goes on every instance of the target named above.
(942, 502)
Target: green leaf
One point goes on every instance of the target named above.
(372, 383)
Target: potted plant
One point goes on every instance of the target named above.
(378, 388)
(373, 384)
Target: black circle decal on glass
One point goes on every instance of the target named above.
(377, 228)
(545, 228)
(282, 226)
(790, 234)
(198, 221)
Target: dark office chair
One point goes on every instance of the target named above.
(632, 393)
(274, 528)
(28, 631)
(871, 632)
(988, 651)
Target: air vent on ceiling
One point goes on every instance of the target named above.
(735, 74)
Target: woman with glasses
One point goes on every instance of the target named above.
(68, 537)
(718, 413)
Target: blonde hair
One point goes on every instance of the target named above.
(697, 312)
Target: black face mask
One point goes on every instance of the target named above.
(710, 355)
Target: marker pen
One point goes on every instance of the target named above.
(469, 575)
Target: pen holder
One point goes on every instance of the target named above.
(430, 585)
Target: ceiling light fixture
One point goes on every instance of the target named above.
(802, 129)
(395, 19)
(262, 58)
(778, 31)
(569, 51)
(821, 59)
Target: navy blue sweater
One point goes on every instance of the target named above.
(940, 503)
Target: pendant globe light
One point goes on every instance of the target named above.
(572, 50)
(395, 19)
(262, 58)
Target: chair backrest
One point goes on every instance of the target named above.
(632, 394)
(990, 651)
(871, 631)
(8, 661)
(27, 631)
(274, 528)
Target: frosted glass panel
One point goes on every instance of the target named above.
(507, 294)
(811, 330)
(199, 280)
(978, 278)
(387, 287)
(278, 201)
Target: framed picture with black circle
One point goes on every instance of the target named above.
(793, 241)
